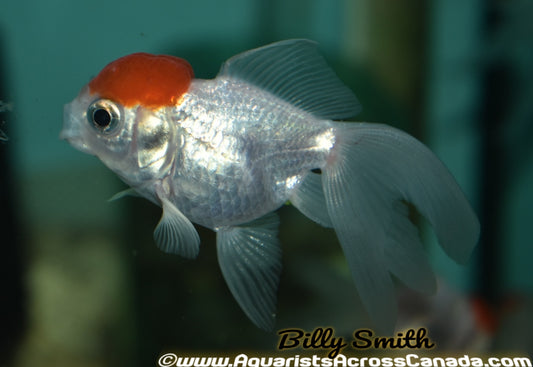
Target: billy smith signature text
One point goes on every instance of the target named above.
(324, 338)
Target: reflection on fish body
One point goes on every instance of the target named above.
(226, 153)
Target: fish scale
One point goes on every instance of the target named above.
(277, 139)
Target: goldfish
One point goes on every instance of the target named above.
(270, 128)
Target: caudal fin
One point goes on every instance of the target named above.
(373, 172)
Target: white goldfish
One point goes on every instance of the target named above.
(226, 153)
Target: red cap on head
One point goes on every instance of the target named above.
(152, 81)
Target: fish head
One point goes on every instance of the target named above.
(100, 127)
(123, 115)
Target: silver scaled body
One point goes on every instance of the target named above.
(240, 151)
(235, 148)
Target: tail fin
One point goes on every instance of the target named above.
(373, 172)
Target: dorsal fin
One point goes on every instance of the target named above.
(294, 71)
(152, 81)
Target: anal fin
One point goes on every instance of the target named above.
(310, 200)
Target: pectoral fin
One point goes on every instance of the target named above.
(123, 193)
(250, 260)
(175, 234)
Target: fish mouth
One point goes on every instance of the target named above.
(74, 141)
(71, 131)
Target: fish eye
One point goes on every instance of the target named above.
(103, 115)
